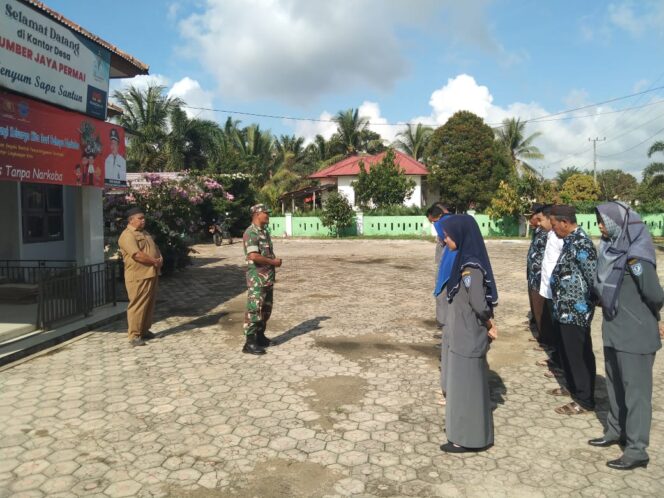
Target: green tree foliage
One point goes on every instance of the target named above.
(145, 117)
(579, 188)
(506, 202)
(511, 136)
(565, 173)
(465, 162)
(384, 184)
(337, 213)
(413, 140)
(615, 184)
(651, 190)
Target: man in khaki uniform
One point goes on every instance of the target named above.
(142, 263)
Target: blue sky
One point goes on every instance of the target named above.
(404, 61)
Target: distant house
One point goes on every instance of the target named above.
(345, 172)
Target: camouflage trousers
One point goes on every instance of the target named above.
(259, 309)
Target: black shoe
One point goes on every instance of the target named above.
(452, 448)
(263, 341)
(602, 442)
(148, 335)
(252, 346)
(137, 342)
(625, 464)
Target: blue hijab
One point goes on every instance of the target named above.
(447, 260)
(471, 252)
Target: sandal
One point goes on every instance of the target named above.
(551, 374)
(572, 408)
(558, 391)
(543, 363)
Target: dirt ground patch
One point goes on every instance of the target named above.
(366, 347)
(331, 393)
(275, 478)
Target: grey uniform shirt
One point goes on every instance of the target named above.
(468, 314)
(634, 329)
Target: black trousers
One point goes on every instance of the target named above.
(578, 363)
(550, 333)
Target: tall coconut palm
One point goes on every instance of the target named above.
(192, 143)
(413, 140)
(145, 117)
(350, 126)
(654, 172)
(511, 136)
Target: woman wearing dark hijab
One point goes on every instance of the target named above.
(631, 298)
(472, 294)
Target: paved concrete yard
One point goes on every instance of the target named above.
(345, 405)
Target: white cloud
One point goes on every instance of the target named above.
(141, 81)
(633, 17)
(194, 96)
(564, 142)
(298, 50)
(309, 129)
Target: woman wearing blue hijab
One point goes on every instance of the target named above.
(472, 294)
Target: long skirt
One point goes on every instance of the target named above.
(468, 415)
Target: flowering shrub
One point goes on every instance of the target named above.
(175, 212)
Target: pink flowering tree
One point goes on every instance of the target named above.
(176, 213)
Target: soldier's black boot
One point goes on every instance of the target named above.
(251, 345)
(262, 340)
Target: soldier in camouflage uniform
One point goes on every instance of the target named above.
(261, 265)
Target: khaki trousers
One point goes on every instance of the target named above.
(142, 295)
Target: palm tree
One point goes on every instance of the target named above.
(565, 173)
(654, 172)
(145, 117)
(511, 137)
(192, 143)
(413, 140)
(349, 131)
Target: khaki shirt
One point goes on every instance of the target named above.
(132, 241)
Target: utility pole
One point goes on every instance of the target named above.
(594, 141)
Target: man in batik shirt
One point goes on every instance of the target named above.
(573, 308)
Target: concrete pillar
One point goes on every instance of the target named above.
(359, 222)
(90, 224)
(289, 224)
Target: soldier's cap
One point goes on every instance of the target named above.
(563, 210)
(135, 210)
(259, 208)
(114, 135)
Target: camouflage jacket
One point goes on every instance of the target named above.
(572, 280)
(258, 240)
(535, 257)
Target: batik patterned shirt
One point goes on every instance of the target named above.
(258, 240)
(535, 257)
(572, 280)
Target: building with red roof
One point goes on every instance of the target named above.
(346, 171)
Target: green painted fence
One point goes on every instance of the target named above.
(309, 227)
(419, 225)
(277, 226)
(396, 225)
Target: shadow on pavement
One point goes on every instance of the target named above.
(301, 329)
(497, 389)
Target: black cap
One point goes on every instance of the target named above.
(535, 208)
(135, 210)
(114, 135)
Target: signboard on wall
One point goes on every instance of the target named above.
(40, 143)
(44, 59)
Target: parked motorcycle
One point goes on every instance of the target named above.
(221, 232)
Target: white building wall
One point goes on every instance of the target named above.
(415, 198)
(346, 189)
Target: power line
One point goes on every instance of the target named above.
(494, 125)
(634, 146)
